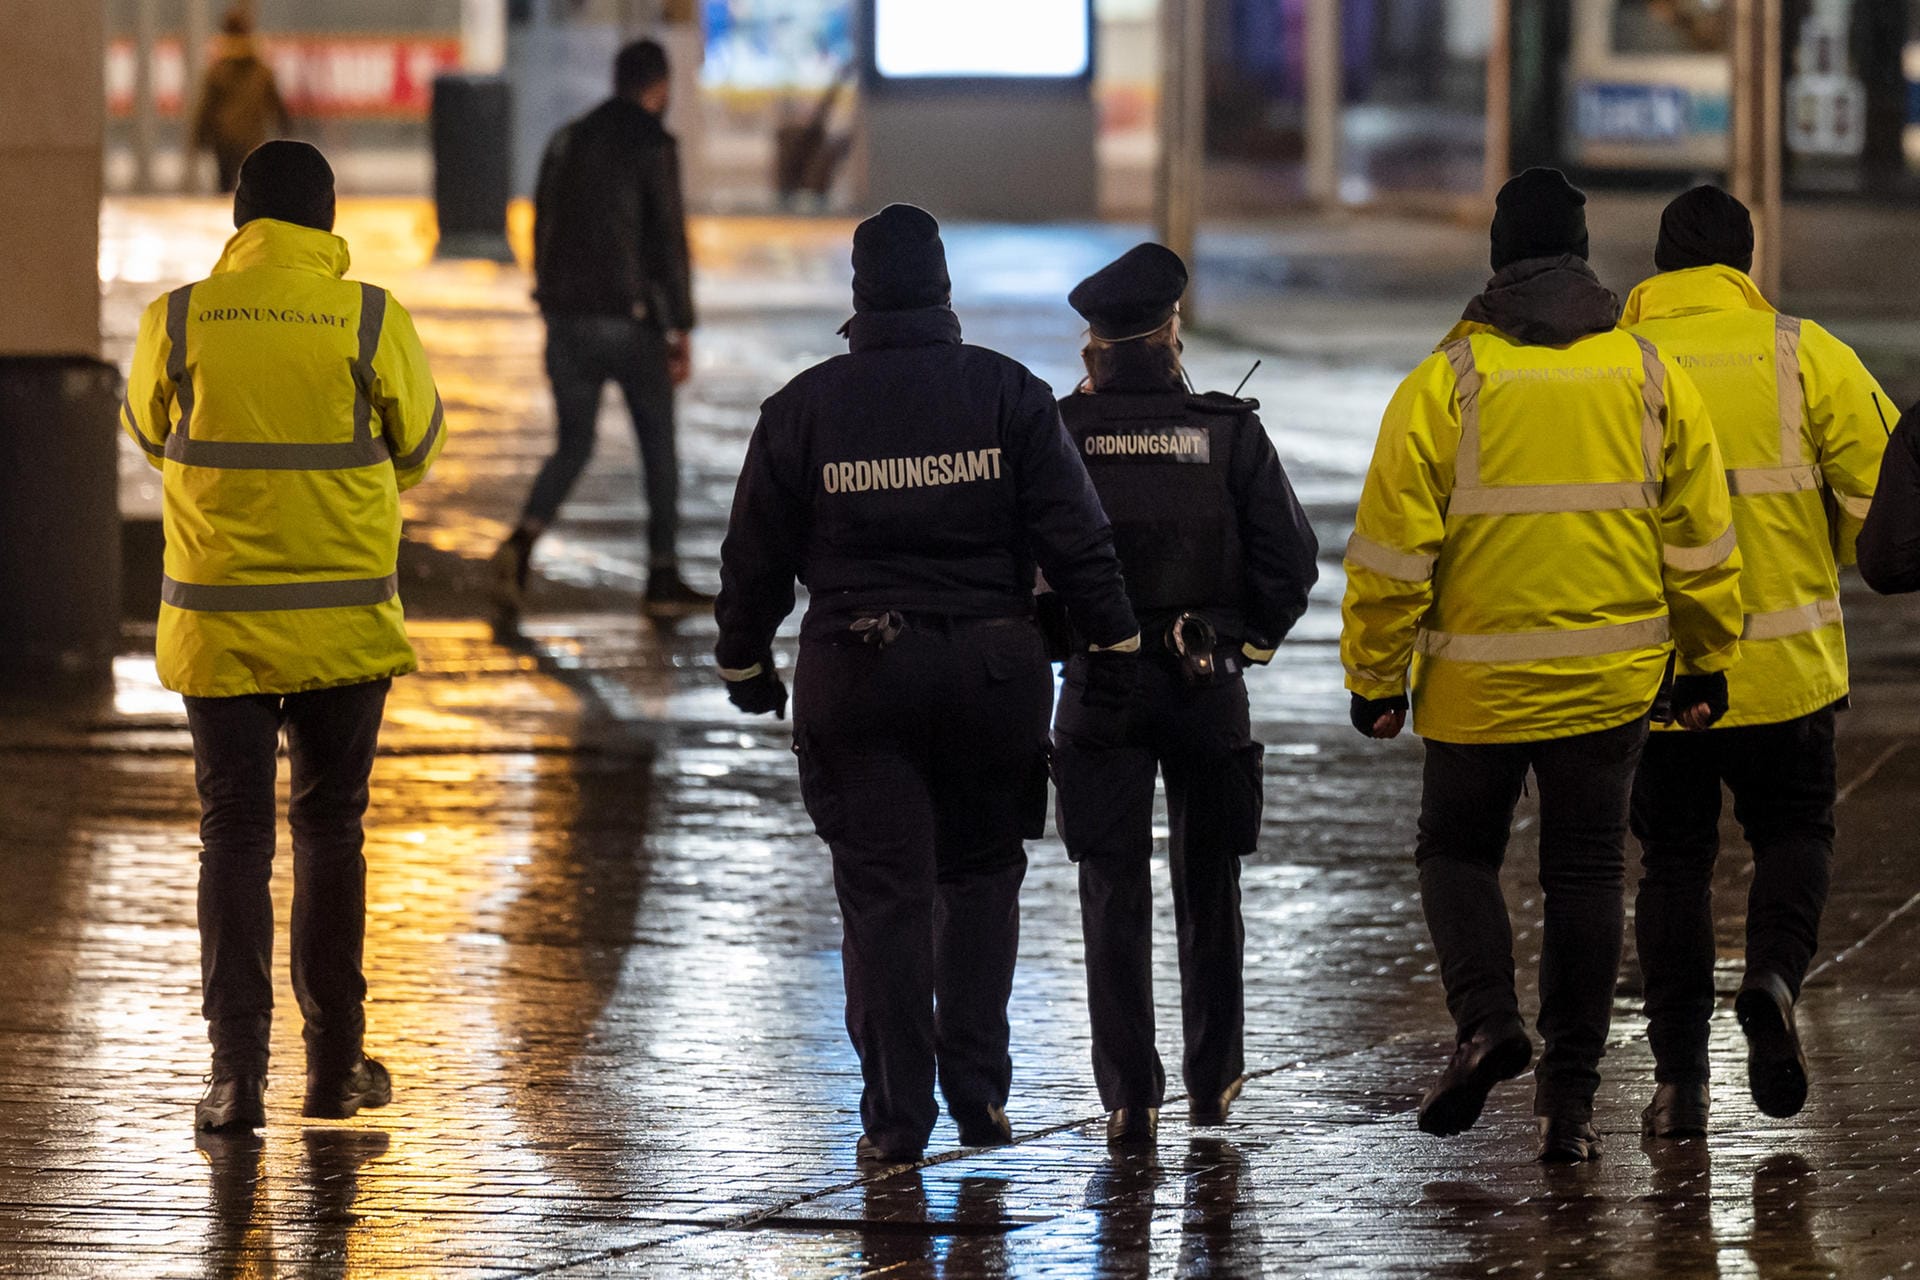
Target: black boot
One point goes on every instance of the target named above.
(1484, 1059)
(869, 1151)
(1776, 1066)
(337, 1095)
(1677, 1111)
(234, 1104)
(1213, 1111)
(1133, 1126)
(1566, 1141)
(507, 577)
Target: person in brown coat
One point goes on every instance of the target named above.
(240, 105)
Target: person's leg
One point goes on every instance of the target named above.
(1585, 784)
(331, 738)
(1104, 813)
(869, 802)
(1214, 801)
(1783, 784)
(648, 387)
(576, 367)
(1467, 798)
(1676, 818)
(986, 770)
(235, 745)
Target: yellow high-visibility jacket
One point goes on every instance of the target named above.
(286, 409)
(1801, 426)
(1540, 527)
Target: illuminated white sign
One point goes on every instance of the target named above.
(1032, 39)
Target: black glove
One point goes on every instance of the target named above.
(1690, 691)
(1366, 711)
(1112, 680)
(761, 693)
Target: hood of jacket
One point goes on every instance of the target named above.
(1691, 292)
(269, 242)
(1542, 302)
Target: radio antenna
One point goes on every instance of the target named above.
(1248, 378)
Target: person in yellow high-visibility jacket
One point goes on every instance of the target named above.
(1802, 426)
(1544, 523)
(286, 409)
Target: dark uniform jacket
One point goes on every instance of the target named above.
(1203, 516)
(914, 473)
(609, 231)
(1889, 546)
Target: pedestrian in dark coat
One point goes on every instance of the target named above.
(1219, 559)
(913, 485)
(1889, 544)
(240, 105)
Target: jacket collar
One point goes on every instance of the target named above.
(1694, 291)
(1542, 302)
(921, 327)
(269, 242)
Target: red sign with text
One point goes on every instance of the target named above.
(319, 75)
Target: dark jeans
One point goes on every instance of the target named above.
(331, 736)
(1466, 816)
(1782, 779)
(584, 353)
(1199, 740)
(923, 766)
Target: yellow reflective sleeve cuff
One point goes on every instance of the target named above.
(1253, 653)
(1695, 559)
(1383, 559)
(1855, 507)
(734, 675)
(1369, 683)
(1130, 645)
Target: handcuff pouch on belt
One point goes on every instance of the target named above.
(1194, 647)
(878, 629)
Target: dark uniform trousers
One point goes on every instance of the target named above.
(1782, 779)
(923, 766)
(1466, 816)
(331, 738)
(1104, 766)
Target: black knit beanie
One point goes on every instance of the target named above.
(1538, 214)
(899, 262)
(1706, 227)
(287, 180)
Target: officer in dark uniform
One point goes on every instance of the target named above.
(1219, 558)
(913, 485)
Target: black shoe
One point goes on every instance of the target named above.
(336, 1096)
(987, 1128)
(1133, 1126)
(507, 578)
(1206, 1111)
(869, 1152)
(234, 1104)
(668, 596)
(1566, 1141)
(1483, 1060)
(1776, 1066)
(1677, 1111)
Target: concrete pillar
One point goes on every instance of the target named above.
(1755, 163)
(1324, 77)
(1183, 108)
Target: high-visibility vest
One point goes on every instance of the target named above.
(1802, 426)
(286, 409)
(1540, 527)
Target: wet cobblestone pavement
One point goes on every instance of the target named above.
(603, 941)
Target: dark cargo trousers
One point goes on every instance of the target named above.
(923, 766)
(1782, 780)
(1104, 766)
(331, 737)
(1466, 817)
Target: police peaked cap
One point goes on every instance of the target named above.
(1132, 296)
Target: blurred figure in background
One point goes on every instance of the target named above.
(614, 281)
(1801, 426)
(286, 408)
(240, 105)
(1218, 558)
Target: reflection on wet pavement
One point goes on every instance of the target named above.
(603, 942)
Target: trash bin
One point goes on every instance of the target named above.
(59, 520)
(472, 165)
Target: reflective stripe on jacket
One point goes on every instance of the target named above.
(286, 408)
(1540, 527)
(1795, 415)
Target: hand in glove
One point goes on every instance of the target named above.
(1698, 701)
(760, 692)
(1379, 717)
